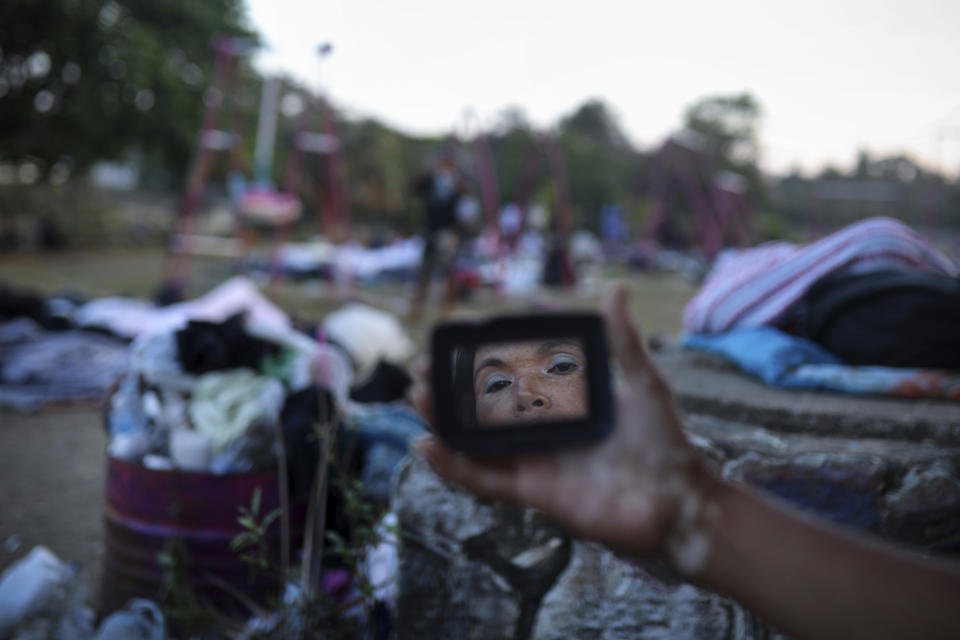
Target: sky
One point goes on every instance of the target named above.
(832, 77)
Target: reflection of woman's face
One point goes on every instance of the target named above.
(537, 380)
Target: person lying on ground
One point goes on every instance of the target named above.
(643, 491)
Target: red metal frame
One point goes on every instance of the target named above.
(720, 214)
(177, 261)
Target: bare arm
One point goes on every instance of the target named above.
(816, 581)
(643, 491)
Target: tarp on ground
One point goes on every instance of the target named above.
(788, 362)
(39, 367)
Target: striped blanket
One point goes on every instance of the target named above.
(756, 287)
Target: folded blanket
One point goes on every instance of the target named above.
(756, 287)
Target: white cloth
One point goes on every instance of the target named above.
(129, 318)
(368, 335)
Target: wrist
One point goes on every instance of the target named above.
(690, 539)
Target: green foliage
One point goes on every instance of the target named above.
(83, 216)
(768, 225)
(305, 611)
(251, 543)
(593, 120)
(365, 533)
(895, 186)
(380, 163)
(597, 175)
(600, 165)
(85, 80)
(729, 126)
(181, 604)
(510, 148)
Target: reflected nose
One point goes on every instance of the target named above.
(530, 398)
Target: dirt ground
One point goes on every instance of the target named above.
(52, 464)
(52, 479)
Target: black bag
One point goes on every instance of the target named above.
(905, 318)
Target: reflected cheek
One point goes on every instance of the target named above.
(570, 396)
(494, 407)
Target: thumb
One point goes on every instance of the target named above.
(624, 337)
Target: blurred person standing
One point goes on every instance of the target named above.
(511, 223)
(440, 189)
(613, 231)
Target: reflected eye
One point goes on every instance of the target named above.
(563, 367)
(496, 385)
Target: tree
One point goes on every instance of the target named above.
(83, 80)
(601, 162)
(511, 118)
(595, 121)
(729, 126)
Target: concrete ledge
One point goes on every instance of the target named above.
(705, 384)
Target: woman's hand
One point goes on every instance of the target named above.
(643, 491)
(631, 491)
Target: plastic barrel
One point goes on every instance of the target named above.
(145, 508)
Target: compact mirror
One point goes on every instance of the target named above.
(516, 384)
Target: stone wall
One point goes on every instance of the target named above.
(477, 569)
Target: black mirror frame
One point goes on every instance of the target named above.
(541, 436)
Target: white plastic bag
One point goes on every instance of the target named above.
(140, 620)
(34, 585)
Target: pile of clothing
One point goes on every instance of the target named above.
(220, 385)
(65, 349)
(208, 396)
(221, 396)
(205, 384)
(870, 309)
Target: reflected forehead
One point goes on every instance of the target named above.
(508, 350)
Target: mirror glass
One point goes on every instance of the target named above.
(498, 384)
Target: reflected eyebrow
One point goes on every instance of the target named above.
(487, 362)
(550, 344)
